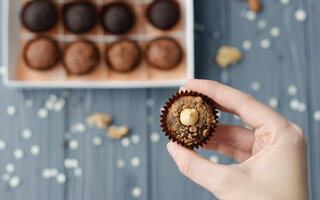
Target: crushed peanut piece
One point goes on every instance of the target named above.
(254, 5)
(228, 55)
(118, 132)
(100, 120)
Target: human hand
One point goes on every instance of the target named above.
(272, 156)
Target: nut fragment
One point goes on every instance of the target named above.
(189, 117)
(254, 5)
(206, 133)
(228, 55)
(118, 132)
(100, 120)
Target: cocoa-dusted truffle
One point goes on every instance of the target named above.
(189, 118)
(164, 14)
(117, 18)
(164, 53)
(123, 56)
(80, 17)
(41, 53)
(39, 15)
(81, 57)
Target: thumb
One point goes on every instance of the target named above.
(214, 177)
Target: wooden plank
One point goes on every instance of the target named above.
(312, 27)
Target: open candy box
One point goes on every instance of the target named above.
(98, 43)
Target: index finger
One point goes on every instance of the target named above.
(252, 112)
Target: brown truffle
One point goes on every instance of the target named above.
(164, 53)
(189, 118)
(41, 53)
(123, 56)
(81, 57)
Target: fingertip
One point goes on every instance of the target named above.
(172, 149)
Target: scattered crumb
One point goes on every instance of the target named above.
(300, 15)
(18, 154)
(274, 32)
(125, 142)
(115, 132)
(97, 141)
(28, 103)
(255, 86)
(273, 102)
(265, 43)
(135, 139)
(155, 137)
(26, 134)
(136, 192)
(35, 150)
(121, 163)
(294, 104)
(284, 2)
(11, 110)
(150, 103)
(53, 172)
(216, 35)
(214, 158)
(14, 182)
(77, 172)
(246, 45)
(61, 178)
(5, 177)
(10, 168)
(2, 145)
(135, 162)
(43, 113)
(250, 15)
(228, 55)
(316, 115)
(78, 128)
(262, 24)
(71, 163)
(292, 90)
(100, 120)
(46, 173)
(302, 107)
(73, 144)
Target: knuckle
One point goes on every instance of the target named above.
(185, 164)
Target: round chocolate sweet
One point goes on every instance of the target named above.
(81, 57)
(123, 56)
(189, 118)
(164, 14)
(39, 15)
(117, 18)
(41, 53)
(80, 17)
(164, 53)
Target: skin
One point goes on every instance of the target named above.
(272, 155)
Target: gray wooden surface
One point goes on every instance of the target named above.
(292, 59)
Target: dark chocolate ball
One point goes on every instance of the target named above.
(164, 53)
(81, 57)
(41, 53)
(39, 15)
(80, 17)
(123, 56)
(117, 18)
(164, 14)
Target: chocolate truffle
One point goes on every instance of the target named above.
(81, 57)
(41, 53)
(117, 18)
(123, 56)
(39, 15)
(189, 118)
(164, 14)
(164, 53)
(80, 17)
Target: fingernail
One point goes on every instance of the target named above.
(172, 149)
